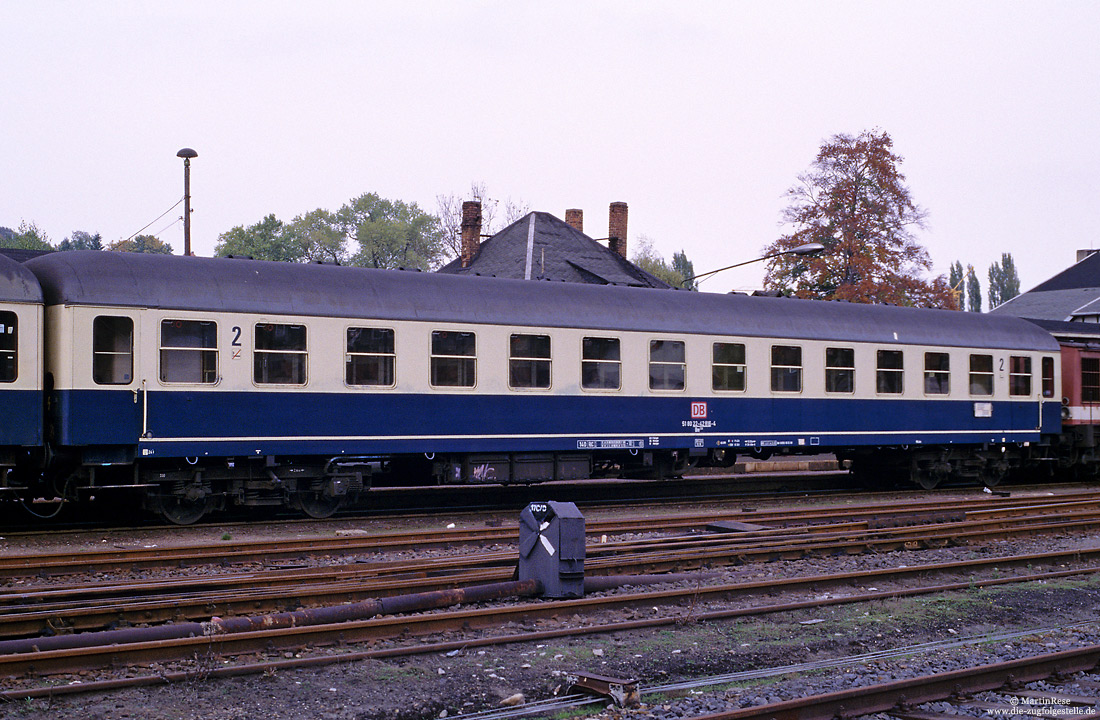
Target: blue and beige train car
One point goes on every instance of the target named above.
(21, 394)
(209, 381)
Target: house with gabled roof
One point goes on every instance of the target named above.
(1068, 304)
(540, 246)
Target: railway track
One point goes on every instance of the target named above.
(403, 635)
(902, 699)
(87, 607)
(254, 587)
(768, 482)
(575, 702)
(84, 606)
(981, 510)
(80, 608)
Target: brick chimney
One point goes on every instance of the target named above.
(575, 218)
(616, 228)
(471, 231)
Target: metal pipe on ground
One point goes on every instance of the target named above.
(310, 616)
(363, 610)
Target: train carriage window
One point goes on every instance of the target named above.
(728, 368)
(981, 374)
(890, 374)
(454, 359)
(1090, 379)
(1019, 375)
(529, 361)
(1048, 377)
(112, 350)
(840, 373)
(280, 356)
(601, 364)
(8, 347)
(937, 373)
(786, 368)
(667, 365)
(188, 351)
(370, 358)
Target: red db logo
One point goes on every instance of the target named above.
(698, 410)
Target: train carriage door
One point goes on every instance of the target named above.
(116, 375)
(1046, 385)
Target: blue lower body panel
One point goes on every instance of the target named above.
(20, 418)
(183, 423)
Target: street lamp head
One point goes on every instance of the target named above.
(187, 153)
(807, 249)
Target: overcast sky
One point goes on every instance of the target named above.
(699, 115)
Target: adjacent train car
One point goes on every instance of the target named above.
(212, 381)
(21, 392)
(1081, 389)
(1078, 448)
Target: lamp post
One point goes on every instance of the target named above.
(807, 249)
(187, 154)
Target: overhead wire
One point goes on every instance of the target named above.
(158, 217)
(174, 222)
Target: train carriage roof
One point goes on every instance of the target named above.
(17, 283)
(271, 288)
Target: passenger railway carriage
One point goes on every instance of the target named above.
(1080, 386)
(20, 372)
(206, 381)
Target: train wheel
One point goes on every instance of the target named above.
(929, 471)
(994, 472)
(927, 481)
(182, 511)
(318, 505)
(927, 475)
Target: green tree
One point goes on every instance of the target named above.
(141, 244)
(369, 231)
(685, 269)
(391, 233)
(266, 240)
(28, 237)
(956, 279)
(319, 236)
(1004, 283)
(81, 240)
(647, 258)
(854, 201)
(973, 290)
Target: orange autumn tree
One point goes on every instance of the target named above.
(854, 201)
